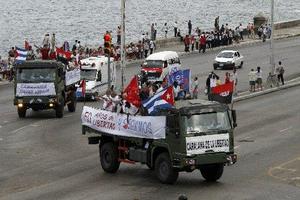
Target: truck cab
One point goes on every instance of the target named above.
(94, 71)
(160, 64)
(40, 85)
(198, 135)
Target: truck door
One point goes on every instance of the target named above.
(173, 133)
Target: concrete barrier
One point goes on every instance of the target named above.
(167, 42)
(286, 24)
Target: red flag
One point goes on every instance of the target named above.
(65, 54)
(83, 86)
(222, 93)
(132, 92)
(168, 96)
(26, 45)
(228, 87)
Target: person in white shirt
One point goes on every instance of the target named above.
(252, 79)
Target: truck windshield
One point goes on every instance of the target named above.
(153, 63)
(206, 122)
(35, 75)
(89, 75)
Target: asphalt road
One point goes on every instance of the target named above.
(47, 158)
(286, 50)
(42, 157)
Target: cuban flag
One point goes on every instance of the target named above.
(21, 54)
(161, 100)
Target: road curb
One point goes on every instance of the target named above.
(267, 91)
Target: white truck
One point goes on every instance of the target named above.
(94, 70)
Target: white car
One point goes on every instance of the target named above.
(228, 59)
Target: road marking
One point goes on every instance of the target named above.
(1, 139)
(23, 127)
(0, 126)
(236, 147)
(5, 122)
(283, 168)
(283, 130)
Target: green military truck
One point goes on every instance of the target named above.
(196, 134)
(44, 84)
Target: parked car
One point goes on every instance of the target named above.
(228, 59)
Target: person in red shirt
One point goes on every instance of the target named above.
(202, 43)
(186, 41)
(227, 77)
(45, 53)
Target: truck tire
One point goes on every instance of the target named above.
(164, 170)
(22, 112)
(72, 104)
(109, 157)
(212, 172)
(59, 110)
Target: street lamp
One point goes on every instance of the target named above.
(272, 40)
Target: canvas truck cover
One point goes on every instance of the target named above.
(123, 125)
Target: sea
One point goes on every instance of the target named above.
(88, 20)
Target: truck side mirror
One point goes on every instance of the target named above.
(233, 114)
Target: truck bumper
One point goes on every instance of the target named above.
(36, 103)
(194, 161)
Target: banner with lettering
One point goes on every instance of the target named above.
(207, 143)
(72, 76)
(124, 125)
(35, 89)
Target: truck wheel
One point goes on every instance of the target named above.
(212, 172)
(59, 110)
(22, 112)
(72, 104)
(164, 169)
(109, 157)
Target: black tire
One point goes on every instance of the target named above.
(215, 68)
(108, 153)
(241, 65)
(212, 172)
(72, 104)
(164, 170)
(22, 112)
(59, 110)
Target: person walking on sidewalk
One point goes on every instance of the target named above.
(280, 72)
(234, 78)
(259, 79)
(166, 29)
(190, 27)
(175, 28)
(202, 43)
(186, 41)
(252, 79)
(195, 89)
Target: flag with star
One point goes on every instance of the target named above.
(133, 93)
(162, 100)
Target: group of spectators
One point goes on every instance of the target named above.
(256, 77)
(221, 36)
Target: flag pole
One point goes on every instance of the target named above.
(123, 53)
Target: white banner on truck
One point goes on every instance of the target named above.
(207, 143)
(72, 76)
(35, 89)
(123, 125)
